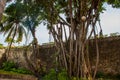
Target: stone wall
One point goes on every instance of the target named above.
(109, 55)
(2, 56)
(22, 56)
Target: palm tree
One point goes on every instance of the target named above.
(19, 18)
(31, 21)
(12, 23)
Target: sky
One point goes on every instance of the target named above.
(110, 22)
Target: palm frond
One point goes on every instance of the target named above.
(10, 31)
(21, 32)
(7, 27)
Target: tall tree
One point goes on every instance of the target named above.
(12, 25)
(21, 17)
(31, 21)
(72, 32)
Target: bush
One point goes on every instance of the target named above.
(53, 75)
(8, 65)
(11, 66)
(61, 75)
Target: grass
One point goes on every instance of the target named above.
(10, 72)
(14, 75)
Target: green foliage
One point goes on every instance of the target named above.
(103, 76)
(21, 70)
(61, 75)
(53, 75)
(12, 25)
(114, 34)
(11, 66)
(1, 46)
(7, 66)
(114, 3)
(100, 75)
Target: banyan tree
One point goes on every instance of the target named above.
(72, 24)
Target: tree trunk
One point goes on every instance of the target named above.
(73, 47)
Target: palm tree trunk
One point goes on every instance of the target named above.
(8, 50)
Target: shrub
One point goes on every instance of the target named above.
(8, 65)
(61, 75)
(11, 66)
(53, 75)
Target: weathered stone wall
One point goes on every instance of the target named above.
(21, 56)
(17, 55)
(2, 56)
(109, 55)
